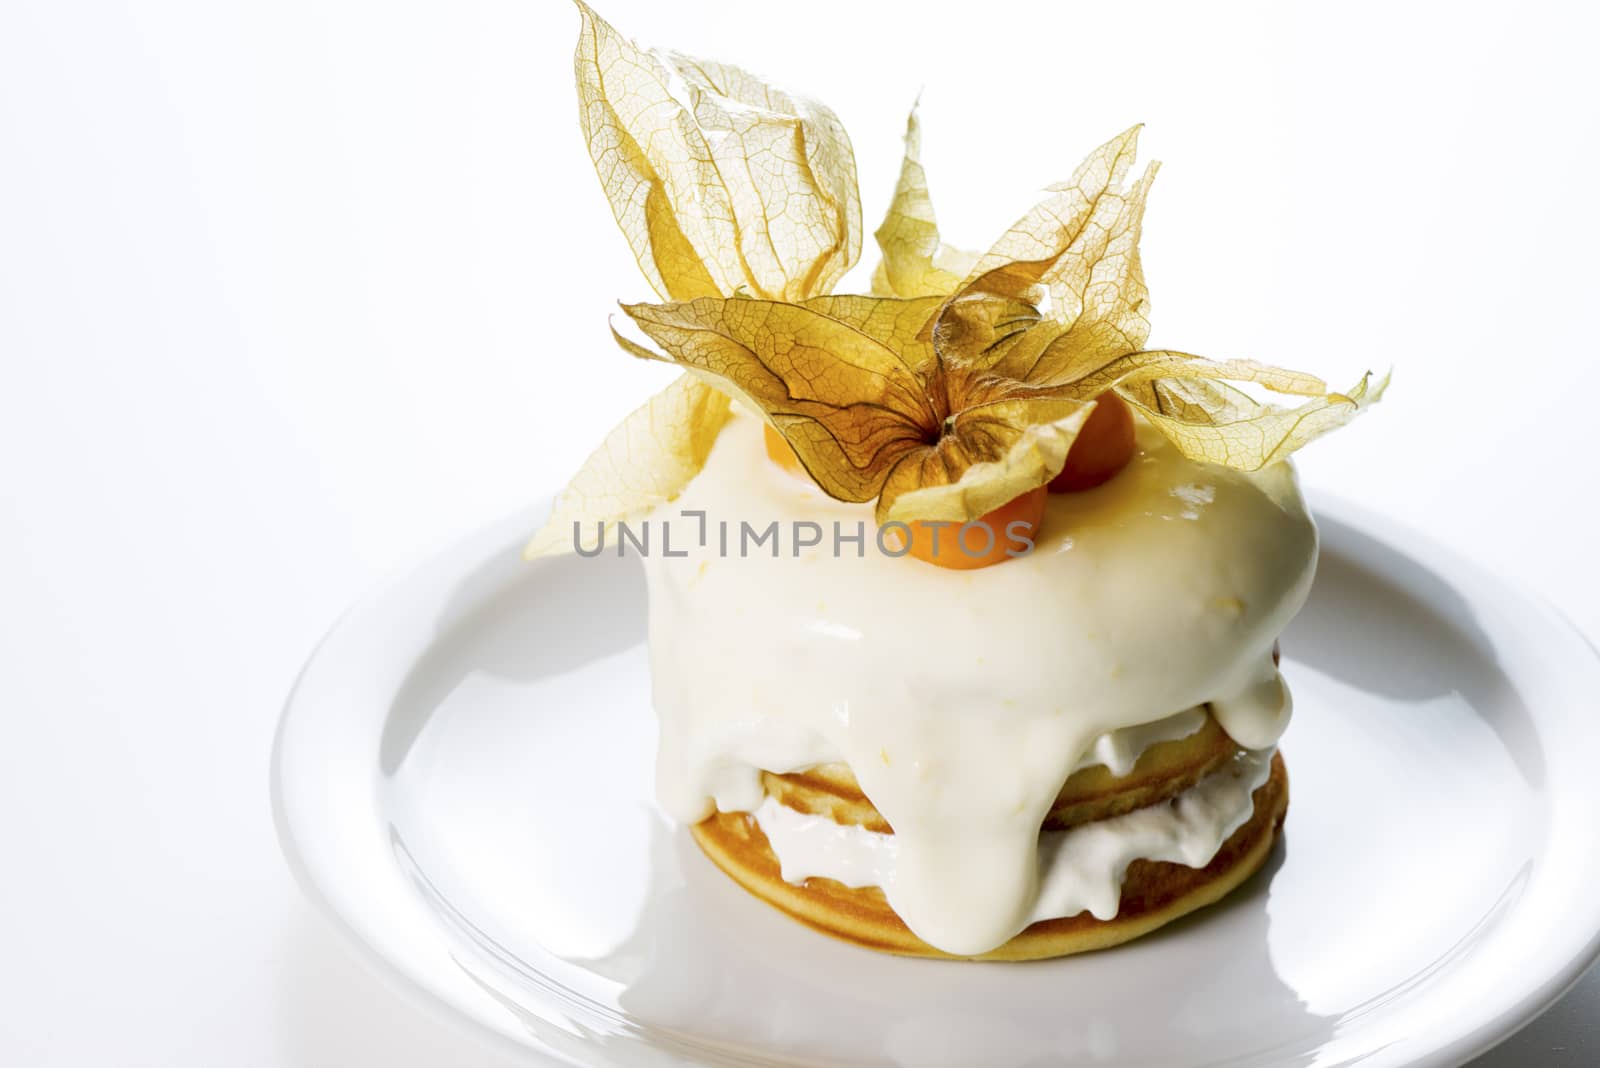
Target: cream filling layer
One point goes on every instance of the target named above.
(1080, 869)
(961, 700)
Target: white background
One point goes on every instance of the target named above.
(290, 292)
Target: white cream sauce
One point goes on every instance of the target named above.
(963, 700)
(1079, 869)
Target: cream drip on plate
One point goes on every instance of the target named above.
(962, 700)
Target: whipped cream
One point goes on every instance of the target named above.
(1080, 869)
(962, 700)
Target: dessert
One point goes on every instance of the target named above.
(963, 603)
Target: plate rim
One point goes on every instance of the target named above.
(412, 990)
(482, 542)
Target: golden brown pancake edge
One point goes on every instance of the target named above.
(1154, 893)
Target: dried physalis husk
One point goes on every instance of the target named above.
(1060, 301)
(870, 412)
(958, 386)
(915, 262)
(645, 461)
(722, 184)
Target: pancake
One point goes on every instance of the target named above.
(1154, 893)
(1093, 793)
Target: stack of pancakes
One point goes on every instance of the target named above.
(1153, 892)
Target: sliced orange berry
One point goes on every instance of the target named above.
(779, 452)
(992, 538)
(1102, 448)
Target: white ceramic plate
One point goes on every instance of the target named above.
(463, 781)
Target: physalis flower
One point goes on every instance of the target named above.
(957, 385)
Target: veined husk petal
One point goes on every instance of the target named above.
(915, 261)
(722, 183)
(647, 460)
(1212, 421)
